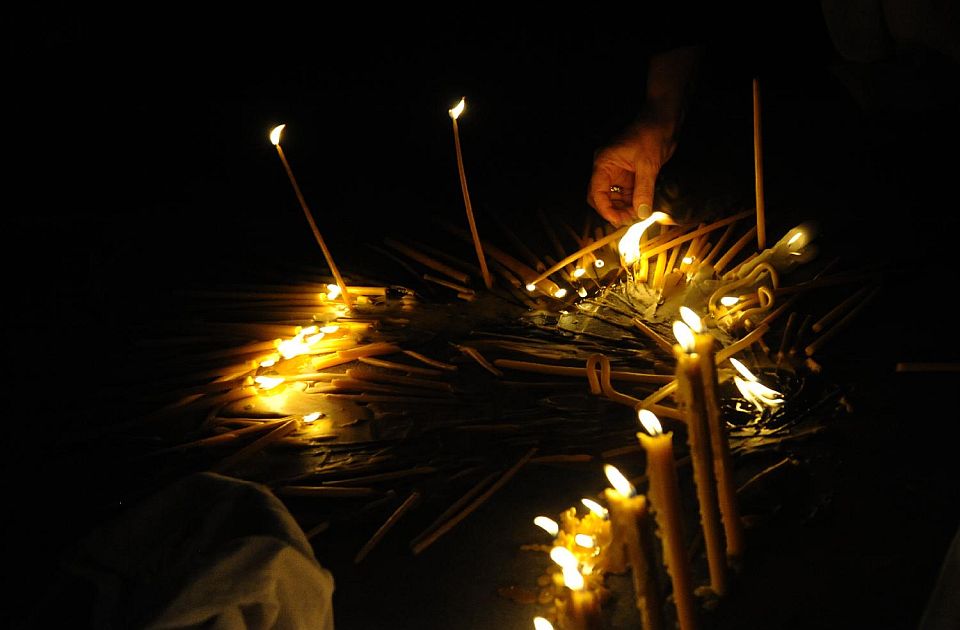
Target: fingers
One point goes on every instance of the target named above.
(643, 185)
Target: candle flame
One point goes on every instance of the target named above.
(684, 336)
(272, 361)
(729, 300)
(650, 421)
(560, 293)
(582, 292)
(585, 540)
(330, 328)
(618, 481)
(539, 623)
(578, 272)
(757, 393)
(275, 134)
(598, 263)
(629, 245)
(311, 417)
(691, 319)
(547, 524)
(572, 579)
(740, 367)
(531, 287)
(333, 291)
(563, 557)
(595, 508)
(458, 108)
(268, 382)
(687, 260)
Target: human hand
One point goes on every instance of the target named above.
(625, 171)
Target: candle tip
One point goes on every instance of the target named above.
(650, 421)
(275, 134)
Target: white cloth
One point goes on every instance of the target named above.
(208, 551)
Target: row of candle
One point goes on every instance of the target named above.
(613, 539)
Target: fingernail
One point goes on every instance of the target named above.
(644, 210)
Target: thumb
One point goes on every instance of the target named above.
(645, 179)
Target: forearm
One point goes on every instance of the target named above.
(670, 80)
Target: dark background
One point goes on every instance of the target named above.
(138, 163)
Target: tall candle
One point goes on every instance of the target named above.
(719, 441)
(454, 114)
(664, 495)
(628, 513)
(690, 395)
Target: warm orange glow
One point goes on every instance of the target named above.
(275, 134)
(795, 238)
(687, 260)
(578, 272)
(560, 293)
(311, 417)
(650, 421)
(629, 245)
(595, 508)
(531, 287)
(272, 361)
(330, 328)
(585, 540)
(684, 336)
(458, 108)
(691, 319)
(572, 579)
(333, 291)
(618, 481)
(598, 263)
(729, 300)
(547, 524)
(268, 382)
(563, 557)
(539, 623)
(582, 292)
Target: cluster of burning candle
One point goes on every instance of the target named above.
(620, 536)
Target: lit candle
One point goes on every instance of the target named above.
(628, 513)
(665, 497)
(581, 609)
(719, 441)
(275, 139)
(454, 114)
(690, 395)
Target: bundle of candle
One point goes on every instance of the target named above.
(390, 393)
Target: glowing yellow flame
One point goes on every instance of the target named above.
(268, 382)
(330, 328)
(560, 293)
(729, 300)
(595, 508)
(629, 245)
(684, 336)
(687, 260)
(585, 540)
(618, 481)
(563, 557)
(757, 393)
(547, 524)
(275, 134)
(795, 238)
(314, 338)
(650, 421)
(272, 361)
(598, 263)
(311, 417)
(539, 623)
(333, 291)
(691, 319)
(458, 109)
(578, 272)
(572, 579)
(309, 330)
(531, 287)
(740, 367)
(582, 292)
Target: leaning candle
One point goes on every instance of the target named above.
(665, 497)
(628, 513)
(693, 407)
(275, 139)
(719, 442)
(454, 114)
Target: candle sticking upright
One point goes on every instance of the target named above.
(690, 395)
(454, 115)
(628, 513)
(719, 443)
(758, 168)
(665, 497)
(275, 139)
